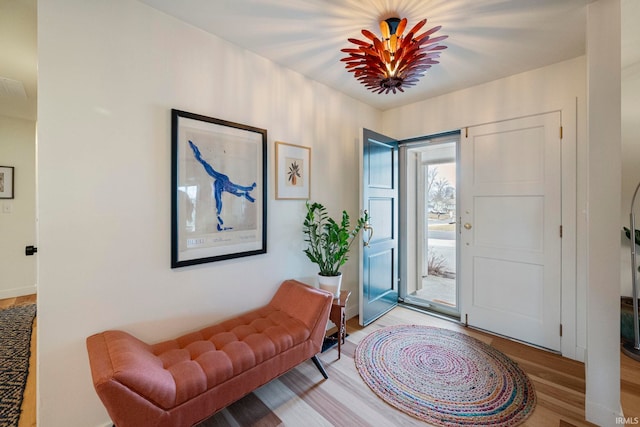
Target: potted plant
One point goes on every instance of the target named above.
(328, 243)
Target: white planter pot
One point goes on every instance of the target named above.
(330, 283)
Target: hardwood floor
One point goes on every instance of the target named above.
(17, 301)
(300, 397)
(630, 386)
(559, 382)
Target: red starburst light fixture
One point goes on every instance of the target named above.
(393, 61)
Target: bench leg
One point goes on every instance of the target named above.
(318, 364)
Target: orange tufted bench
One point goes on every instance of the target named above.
(183, 381)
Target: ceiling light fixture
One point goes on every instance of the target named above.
(393, 61)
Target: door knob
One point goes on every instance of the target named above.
(467, 226)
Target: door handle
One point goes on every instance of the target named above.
(467, 226)
(368, 227)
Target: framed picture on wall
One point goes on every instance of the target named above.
(293, 171)
(6, 182)
(218, 189)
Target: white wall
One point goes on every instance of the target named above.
(17, 216)
(109, 73)
(559, 87)
(602, 395)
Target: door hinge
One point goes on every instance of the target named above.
(560, 329)
(466, 132)
(466, 319)
(560, 132)
(561, 232)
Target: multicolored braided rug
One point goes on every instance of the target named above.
(444, 377)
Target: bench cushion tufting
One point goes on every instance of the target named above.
(172, 372)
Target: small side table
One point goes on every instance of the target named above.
(338, 316)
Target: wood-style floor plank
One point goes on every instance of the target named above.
(302, 397)
(344, 400)
(559, 382)
(630, 386)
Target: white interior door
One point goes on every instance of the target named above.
(511, 228)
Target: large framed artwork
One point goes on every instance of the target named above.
(293, 171)
(218, 189)
(6, 182)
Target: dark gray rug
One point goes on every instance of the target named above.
(16, 324)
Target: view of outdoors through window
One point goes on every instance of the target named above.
(438, 281)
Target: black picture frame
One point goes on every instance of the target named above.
(6, 182)
(218, 189)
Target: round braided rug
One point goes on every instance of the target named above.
(444, 377)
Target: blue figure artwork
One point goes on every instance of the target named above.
(221, 184)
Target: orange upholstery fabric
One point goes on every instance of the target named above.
(182, 381)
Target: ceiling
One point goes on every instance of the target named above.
(488, 39)
(19, 59)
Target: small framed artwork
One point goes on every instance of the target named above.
(293, 171)
(6, 182)
(218, 189)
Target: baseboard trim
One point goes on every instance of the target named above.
(17, 292)
(598, 414)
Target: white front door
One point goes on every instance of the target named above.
(510, 228)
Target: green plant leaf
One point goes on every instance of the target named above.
(329, 242)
